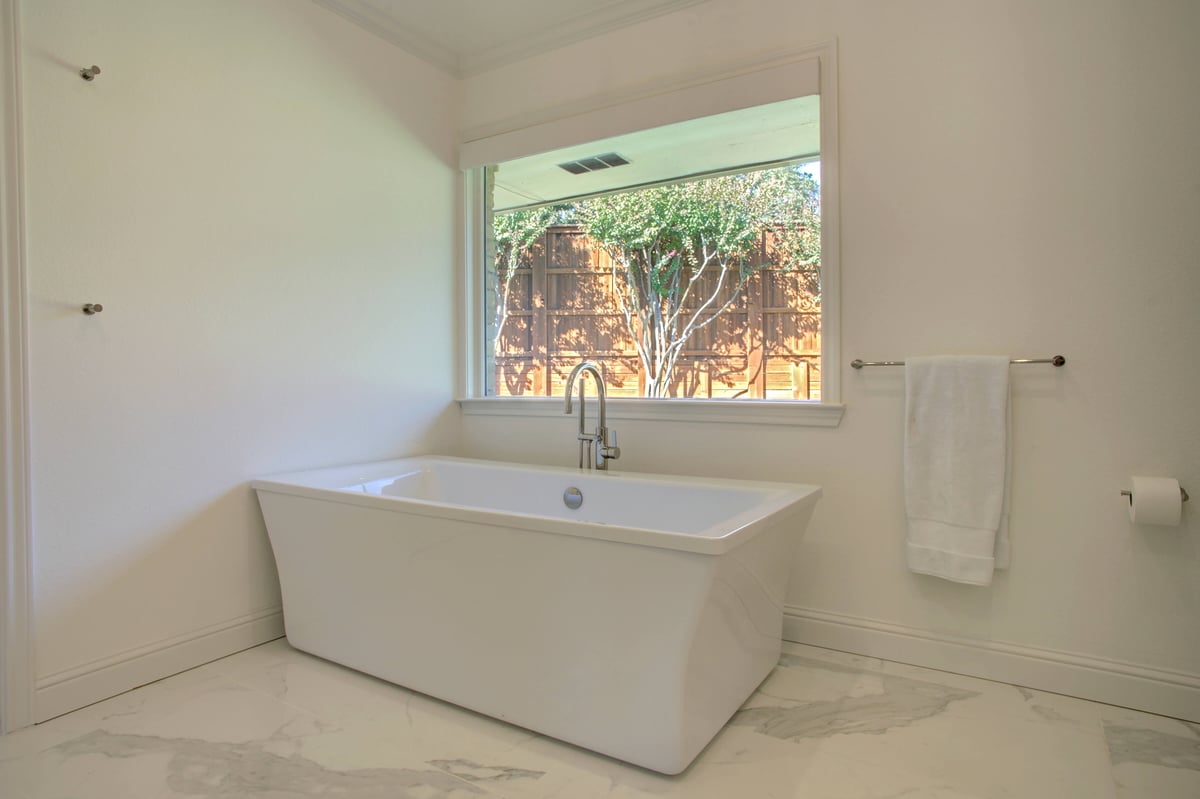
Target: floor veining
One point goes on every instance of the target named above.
(275, 723)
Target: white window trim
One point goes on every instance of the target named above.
(824, 413)
(729, 411)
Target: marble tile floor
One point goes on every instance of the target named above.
(275, 723)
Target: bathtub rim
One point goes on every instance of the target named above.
(781, 502)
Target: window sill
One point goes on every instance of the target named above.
(793, 413)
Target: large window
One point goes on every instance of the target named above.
(691, 251)
(701, 288)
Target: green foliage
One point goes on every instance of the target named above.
(664, 240)
(673, 228)
(517, 231)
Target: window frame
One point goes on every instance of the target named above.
(826, 412)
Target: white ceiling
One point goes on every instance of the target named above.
(465, 37)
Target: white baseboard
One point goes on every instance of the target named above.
(77, 687)
(1112, 682)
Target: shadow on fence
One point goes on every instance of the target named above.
(563, 308)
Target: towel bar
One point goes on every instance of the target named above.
(1057, 360)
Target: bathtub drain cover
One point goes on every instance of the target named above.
(573, 498)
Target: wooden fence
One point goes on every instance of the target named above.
(562, 309)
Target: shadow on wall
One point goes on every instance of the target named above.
(198, 571)
(420, 99)
(222, 543)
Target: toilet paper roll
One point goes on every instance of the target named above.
(1156, 500)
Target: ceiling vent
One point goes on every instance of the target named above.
(594, 164)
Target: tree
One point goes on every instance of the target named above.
(515, 233)
(682, 253)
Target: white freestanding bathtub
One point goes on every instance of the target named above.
(634, 625)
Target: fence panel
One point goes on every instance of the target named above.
(563, 307)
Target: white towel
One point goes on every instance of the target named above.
(955, 464)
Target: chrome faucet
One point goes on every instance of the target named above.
(595, 450)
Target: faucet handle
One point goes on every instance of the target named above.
(610, 453)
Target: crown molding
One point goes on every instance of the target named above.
(593, 22)
(371, 20)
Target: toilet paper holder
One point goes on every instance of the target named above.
(1183, 495)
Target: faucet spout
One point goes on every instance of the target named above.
(594, 370)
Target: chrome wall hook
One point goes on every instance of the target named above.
(89, 73)
(92, 308)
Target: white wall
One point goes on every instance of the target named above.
(263, 198)
(1017, 177)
